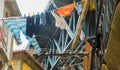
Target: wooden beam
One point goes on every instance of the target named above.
(25, 57)
(80, 23)
(66, 54)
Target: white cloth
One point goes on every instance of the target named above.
(59, 21)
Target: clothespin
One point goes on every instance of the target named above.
(24, 15)
(33, 14)
(28, 14)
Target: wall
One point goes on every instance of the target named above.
(1, 8)
(1, 15)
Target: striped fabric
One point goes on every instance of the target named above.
(17, 25)
(33, 42)
(22, 25)
(14, 29)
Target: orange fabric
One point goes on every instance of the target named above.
(66, 10)
(88, 47)
(87, 59)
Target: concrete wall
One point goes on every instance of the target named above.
(1, 8)
(112, 55)
(1, 15)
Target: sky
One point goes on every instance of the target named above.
(31, 6)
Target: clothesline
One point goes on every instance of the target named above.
(31, 25)
(63, 11)
(6, 18)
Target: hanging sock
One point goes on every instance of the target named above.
(34, 43)
(59, 21)
(11, 24)
(22, 25)
(66, 10)
(17, 25)
(32, 28)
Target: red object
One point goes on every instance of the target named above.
(1, 34)
(66, 10)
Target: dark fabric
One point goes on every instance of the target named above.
(49, 18)
(42, 18)
(37, 24)
(30, 26)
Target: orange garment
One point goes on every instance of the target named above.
(66, 10)
(87, 59)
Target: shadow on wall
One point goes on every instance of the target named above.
(112, 56)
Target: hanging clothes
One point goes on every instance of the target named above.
(42, 18)
(50, 19)
(34, 43)
(22, 25)
(14, 29)
(30, 26)
(36, 24)
(65, 10)
(59, 21)
(82, 35)
(17, 25)
(32, 29)
(78, 8)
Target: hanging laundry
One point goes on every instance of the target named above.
(42, 18)
(82, 35)
(30, 26)
(17, 25)
(59, 21)
(50, 19)
(22, 24)
(65, 10)
(14, 29)
(78, 8)
(33, 42)
(1, 34)
(36, 24)
(32, 29)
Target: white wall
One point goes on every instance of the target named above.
(1, 8)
